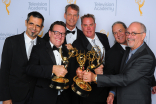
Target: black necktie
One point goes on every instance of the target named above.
(55, 48)
(73, 32)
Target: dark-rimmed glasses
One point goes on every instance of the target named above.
(133, 33)
(57, 33)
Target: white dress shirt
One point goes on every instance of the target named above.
(58, 60)
(57, 55)
(28, 42)
(70, 38)
(97, 42)
(123, 46)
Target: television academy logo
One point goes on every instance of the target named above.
(7, 4)
(41, 34)
(104, 32)
(71, 1)
(140, 5)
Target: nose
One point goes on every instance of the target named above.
(72, 16)
(118, 34)
(60, 35)
(34, 27)
(88, 27)
(128, 36)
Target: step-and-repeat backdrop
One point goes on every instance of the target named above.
(13, 14)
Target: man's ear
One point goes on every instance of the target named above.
(143, 36)
(64, 15)
(26, 23)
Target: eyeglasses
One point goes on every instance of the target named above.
(57, 33)
(133, 33)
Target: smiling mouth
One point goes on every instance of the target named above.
(58, 40)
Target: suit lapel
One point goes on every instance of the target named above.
(136, 54)
(125, 56)
(38, 41)
(119, 47)
(50, 52)
(22, 46)
(101, 39)
(78, 33)
(86, 43)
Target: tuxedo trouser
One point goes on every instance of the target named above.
(58, 101)
(27, 100)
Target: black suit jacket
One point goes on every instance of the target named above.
(15, 84)
(40, 66)
(83, 45)
(113, 59)
(135, 78)
(79, 33)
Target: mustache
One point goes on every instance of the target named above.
(130, 39)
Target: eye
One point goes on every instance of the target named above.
(127, 33)
(133, 33)
(75, 15)
(38, 26)
(120, 30)
(69, 14)
(31, 23)
(91, 24)
(114, 33)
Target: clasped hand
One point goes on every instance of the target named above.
(59, 70)
(89, 76)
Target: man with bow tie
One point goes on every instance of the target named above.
(45, 62)
(71, 15)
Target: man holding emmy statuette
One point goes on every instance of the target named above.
(46, 64)
(134, 81)
(84, 44)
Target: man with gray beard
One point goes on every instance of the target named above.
(134, 80)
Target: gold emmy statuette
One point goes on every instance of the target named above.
(140, 5)
(79, 86)
(7, 5)
(95, 55)
(62, 82)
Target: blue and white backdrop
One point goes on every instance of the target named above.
(13, 14)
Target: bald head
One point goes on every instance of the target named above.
(135, 35)
(141, 26)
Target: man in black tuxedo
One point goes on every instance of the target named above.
(71, 15)
(136, 73)
(115, 54)
(45, 62)
(16, 86)
(85, 44)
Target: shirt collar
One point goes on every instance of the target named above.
(72, 30)
(28, 40)
(123, 46)
(53, 44)
(133, 51)
(96, 38)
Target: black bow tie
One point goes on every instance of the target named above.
(73, 32)
(55, 48)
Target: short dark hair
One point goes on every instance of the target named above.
(73, 6)
(119, 22)
(35, 14)
(88, 16)
(57, 23)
